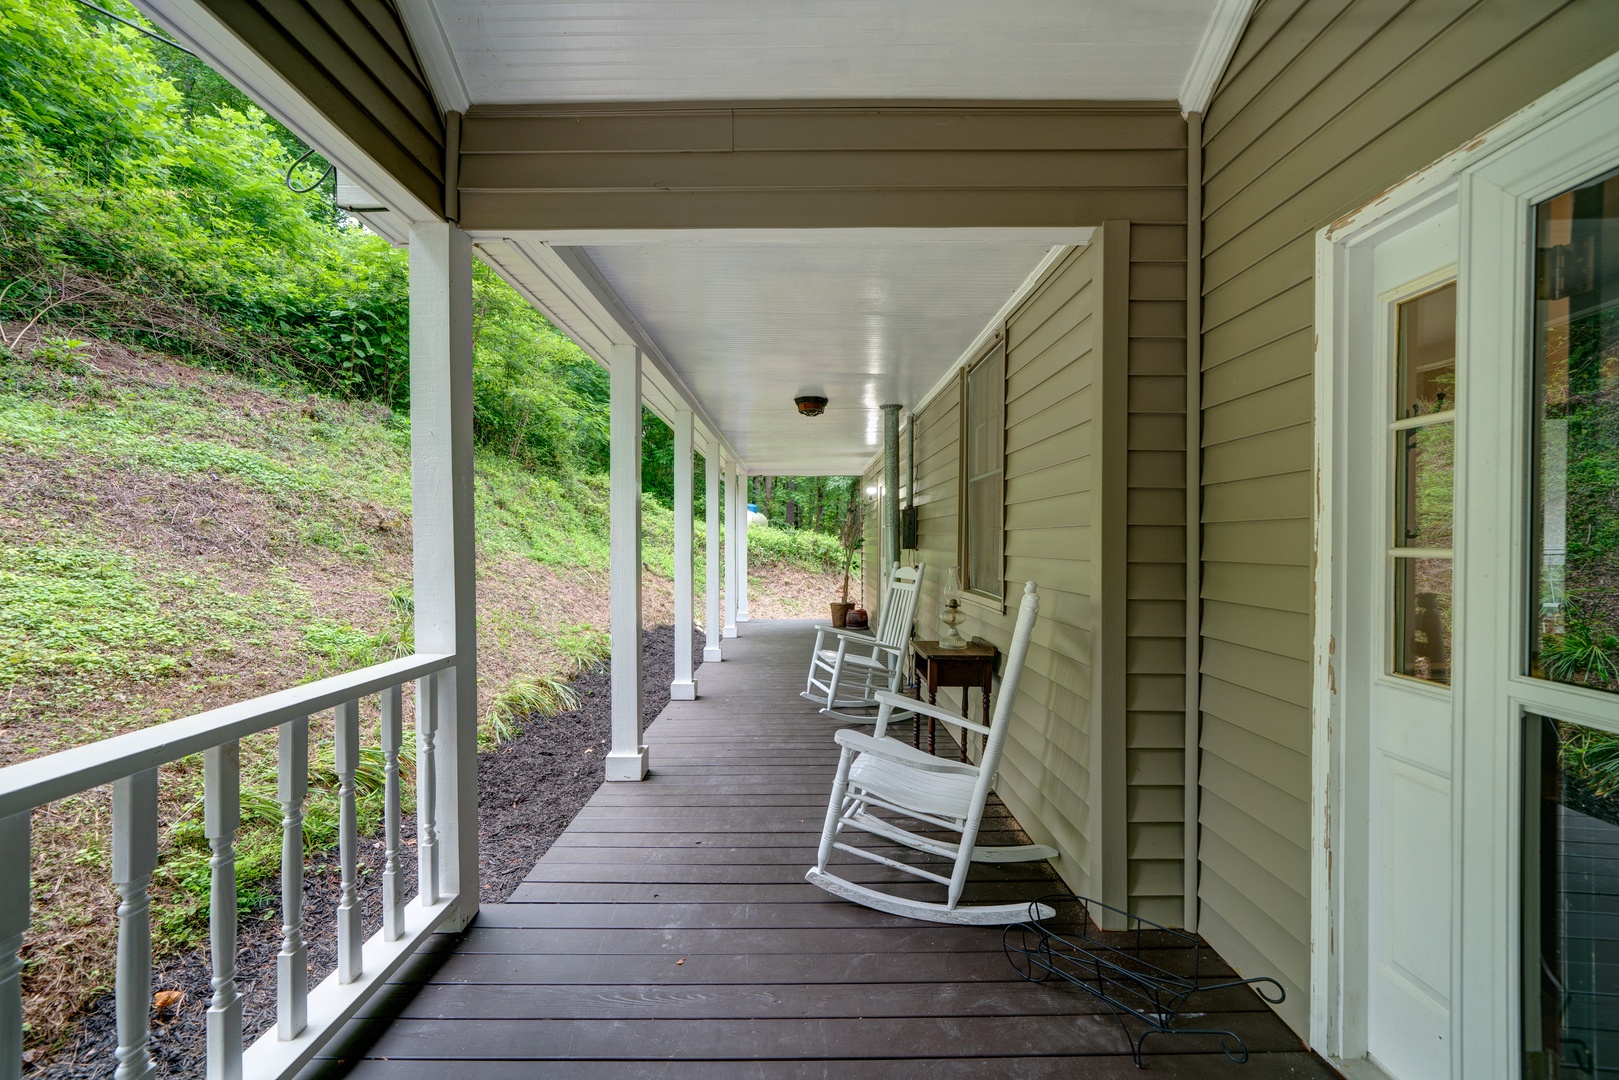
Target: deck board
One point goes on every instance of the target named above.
(669, 932)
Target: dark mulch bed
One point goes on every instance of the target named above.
(528, 791)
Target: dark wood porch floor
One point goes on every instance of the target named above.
(670, 933)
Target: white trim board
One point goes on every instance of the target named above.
(1496, 178)
(1214, 51)
(993, 326)
(433, 49)
(644, 237)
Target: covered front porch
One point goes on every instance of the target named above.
(670, 932)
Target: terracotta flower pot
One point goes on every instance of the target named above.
(840, 612)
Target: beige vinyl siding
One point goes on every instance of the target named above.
(353, 61)
(1060, 528)
(1050, 372)
(815, 165)
(1155, 588)
(1325, 105)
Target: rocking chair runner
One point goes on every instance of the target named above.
(850, 674)
(880, 773)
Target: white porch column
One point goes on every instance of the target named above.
(711, 555)
(627, 760)
(441, 495)
(731, 545)
(742, 547)
(684, 688)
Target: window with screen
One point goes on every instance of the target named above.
(983, 451)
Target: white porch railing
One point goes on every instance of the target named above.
(306, 1019)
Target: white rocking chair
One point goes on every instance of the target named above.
(878, 772)
(850, 674)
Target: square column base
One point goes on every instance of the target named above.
(729, 631)
(627, 764)
(742, 616)
(711, 654)
(683, 691)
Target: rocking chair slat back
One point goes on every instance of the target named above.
(899, 606)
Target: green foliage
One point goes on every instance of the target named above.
(793, 547)
(84, 609)
(1592, 757)
(142, 197)
(817, 503)
(540, 695)
(584, 646)
(1581, 653)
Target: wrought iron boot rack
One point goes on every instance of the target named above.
(1113, 966)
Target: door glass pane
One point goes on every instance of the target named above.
(1571, 902)
(1427, 337)
(1422, 619)
(1425, 458)
(1574, 607)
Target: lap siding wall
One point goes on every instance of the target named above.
(1325, 104)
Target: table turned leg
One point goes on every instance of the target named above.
(933, 699)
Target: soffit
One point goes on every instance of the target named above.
(862, 320)
(520, 51)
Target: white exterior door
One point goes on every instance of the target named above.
(1403, 377)
(1466, 877)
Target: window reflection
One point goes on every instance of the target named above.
(1575, 538)
(1571, 902)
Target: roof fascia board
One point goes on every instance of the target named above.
(437, 57)
(551, 284)
(585, 271)
(1068, 235)
(201, 31)
(1214, 52)
(558, 299)
(774, 105)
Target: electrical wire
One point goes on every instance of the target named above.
(138, 28)
(331, 170)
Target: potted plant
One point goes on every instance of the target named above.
(851, 536)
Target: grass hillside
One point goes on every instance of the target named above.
(173, 539)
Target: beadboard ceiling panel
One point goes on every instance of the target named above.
(510, 51)
(751, 325)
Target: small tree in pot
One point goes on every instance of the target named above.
(851, 535)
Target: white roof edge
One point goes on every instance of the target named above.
(433, 49)
(201, 31)
(662, 372)
(573, 304)
(1214, 51)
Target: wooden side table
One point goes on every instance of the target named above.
(936, 667)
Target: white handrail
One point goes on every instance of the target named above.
(33, 783)
(305, 1020)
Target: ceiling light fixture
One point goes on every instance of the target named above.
(810, 404)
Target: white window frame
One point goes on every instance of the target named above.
(964, 516)
(1569, 135)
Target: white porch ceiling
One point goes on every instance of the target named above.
(862, 320)
(521, 51)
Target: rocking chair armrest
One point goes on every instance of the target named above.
(892, 750)
(937, 712)
(861, 636)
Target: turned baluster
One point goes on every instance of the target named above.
(426, 789)
(134, 857)
(15, 863)
(222, 813)
(346, 754)
(292, 962)
(393, 923)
